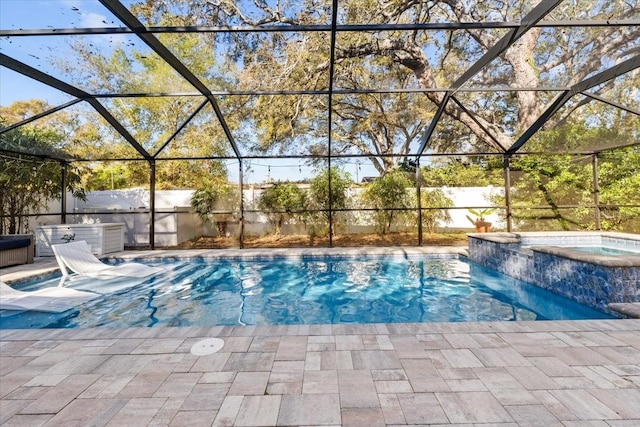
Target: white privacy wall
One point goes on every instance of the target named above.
(176, 223)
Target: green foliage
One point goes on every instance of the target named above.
(175, 174)
(479, 214)
(282, 203)
(321, 192)
(389, 192)
(553, 182)
(338, 193)
(215, 202)
(619, 180)
(111, 176)
(436, 202)
(27, 184)
(561, 182)
(384, 124)
(408, 166)
(456, 173)
(152, 121)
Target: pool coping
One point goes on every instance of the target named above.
(564, 251)
(582, 256)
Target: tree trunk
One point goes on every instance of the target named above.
(519, 56)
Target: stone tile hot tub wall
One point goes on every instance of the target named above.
(541, 259)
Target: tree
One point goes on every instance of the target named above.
(434, 204)
(459, 173)
(282, 202)
(328, 188)
(215, 202)
(27, 183)
(110, 176)
(81, 138)
(561, 182)
(156, 123)
(417, 59)
(619, 181)
(22, 110)
(90, 139)
(390, 198)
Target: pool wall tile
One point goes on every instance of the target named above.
(595, 284)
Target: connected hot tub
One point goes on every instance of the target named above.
(593, 268)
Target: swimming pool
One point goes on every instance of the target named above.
(308, 290)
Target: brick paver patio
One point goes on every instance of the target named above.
(570, 373)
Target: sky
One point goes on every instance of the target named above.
(35, 51)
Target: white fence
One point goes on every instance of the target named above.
(176, 222)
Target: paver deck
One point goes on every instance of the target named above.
(569, 373)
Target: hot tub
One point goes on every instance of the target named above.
(558, 261)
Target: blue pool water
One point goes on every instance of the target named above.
(285, 291)
(603, 250)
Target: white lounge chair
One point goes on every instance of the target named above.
(77, 257)
(53, 300)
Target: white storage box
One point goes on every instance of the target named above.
(103, 238)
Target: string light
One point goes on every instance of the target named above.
(298, 165)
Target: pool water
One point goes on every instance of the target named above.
(322, 290)
(603, 250)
